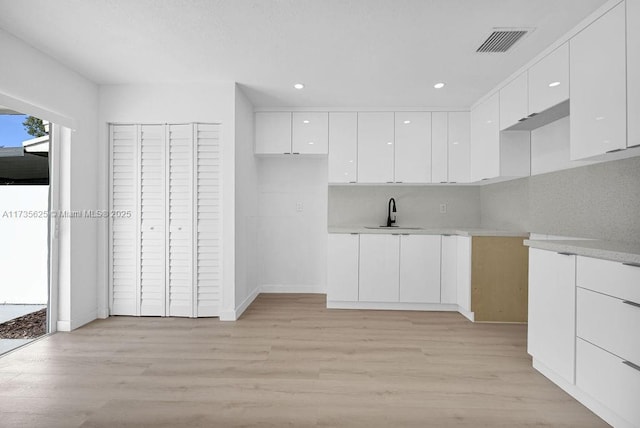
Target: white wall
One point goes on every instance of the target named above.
(246, 205)
(292, 243)
(175, 103)
(34, 83)
(23, 254)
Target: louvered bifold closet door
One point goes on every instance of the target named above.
(152, 220)
(180, 214)
(207, 240)
(123, 241)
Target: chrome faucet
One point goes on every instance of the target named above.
(390, 221)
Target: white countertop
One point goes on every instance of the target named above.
(461, 231)
(608, 250)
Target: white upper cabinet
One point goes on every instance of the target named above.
(439, 147)
(598, 86)
(343, 147)
(485, 139)
(458, 142)
(633, 71)
(513, 102)
(375, 147)
(310, 133)
(549, 80)
(412, 147)
(420, 268)
(273, 133)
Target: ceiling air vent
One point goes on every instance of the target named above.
(502, 39)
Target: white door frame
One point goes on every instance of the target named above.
(55, 140)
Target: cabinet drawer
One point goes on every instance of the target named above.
(609, 323)
(611, 278)
(609, 380)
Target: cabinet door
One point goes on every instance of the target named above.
(439, 147)
(513, 101)
(379, 268)
(152, 220)
(375, 147)
(413, 147)
(485, 139)
(273, 133)
(549, 80)
(463, 279)
(342, 262)
(343, 147)
(449, 268)
(552, 311)
(310, 133)
(179, 296)
(207, 230)
(598, 86)
(124, 233)
(459, 147)
(633, 71)
(607, 379)
(420, 269)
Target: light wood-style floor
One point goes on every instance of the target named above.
(288, 362)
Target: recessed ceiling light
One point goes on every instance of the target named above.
(311, 142)
(600, 118)
(389, 143)
(406, 122)
(554, 84)
(298, 86)
(455, 143)
(351, 161)
(489, 121)
(439, 85)
(305, 121)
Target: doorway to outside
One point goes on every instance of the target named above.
(25, 143)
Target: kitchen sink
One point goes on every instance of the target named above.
(392, 227)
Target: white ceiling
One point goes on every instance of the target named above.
(349, 53)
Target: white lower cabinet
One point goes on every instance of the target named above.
(394, 270)
(342, 275)
(379, 268)
(420, 268)
(463, 277)
(584, 315)
(551, 330)
(448, 270)
(611, 381)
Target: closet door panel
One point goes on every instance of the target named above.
(208, 275)
(123, 229)
(152, 220)
(179, 213)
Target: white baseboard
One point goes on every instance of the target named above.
(595, 406)
(85, 319)
(281, 288)
(246, 303)
(387, 306)
(228, 315)
(77, 322)
(467, 314)
(63, 326)
(103, 313)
